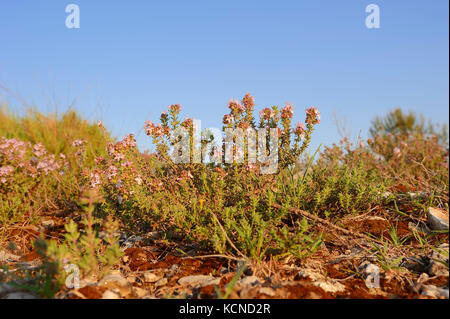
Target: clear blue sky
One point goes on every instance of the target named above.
(130, 59)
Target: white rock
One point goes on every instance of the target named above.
(437, 218)
(327, 284)
(139, 292)
(161, 282)
(267, 291)
(199, 280)
(5, 288)
(108, 294)
(20, 295)
(48, 223)
(151, 277)
(116, 281)
(435, 292)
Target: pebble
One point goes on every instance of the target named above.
(20, 295)
(139, 292)
(48, 223)
(437, 218)
(116, 281)
(108, 294)
(172, 270)
(161, 282)
(151, 277)
(199, 280)
(435, 292)
(267, 291)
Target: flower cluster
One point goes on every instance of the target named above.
(4, 172)
(287, 112)
(312, 116)
(235, 107)
(155, 130)
(267, 113)
(300, 130)
(25, 158)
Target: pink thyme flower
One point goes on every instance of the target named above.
(244, 125)
(149, 127)
(39, 150)
(300, 130)
(266, 113)
(6, 170)
(111, 172)
(287, 112)
(235, 107)
(175, 108)
(129, 141)
(95, 180)
(312, 115)
(127, 164)
(249, 102)
(228, 119)
(187, 123)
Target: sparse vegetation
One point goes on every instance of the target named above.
(62, 164)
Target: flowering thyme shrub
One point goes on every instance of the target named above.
(201, 201)
(292, 142)
(42, 157)
(27, 172)
(355, 178)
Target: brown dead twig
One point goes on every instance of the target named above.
(327, 223)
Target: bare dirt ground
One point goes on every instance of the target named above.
(153, 267)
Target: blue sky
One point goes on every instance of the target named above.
(131, 59)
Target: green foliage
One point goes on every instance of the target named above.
(93, 255)
(47, 162)
(399, 123)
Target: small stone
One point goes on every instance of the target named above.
(139, 292)
(5, 288)
(116, 281)
(435, 292)
(172, 270)
(108, 294)
(151, 277)
(267, 291)
(125, 259)
(437, 218)
(48, 223)
(249, 281)
(20, 295)
(161, 282)
(199, 280)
